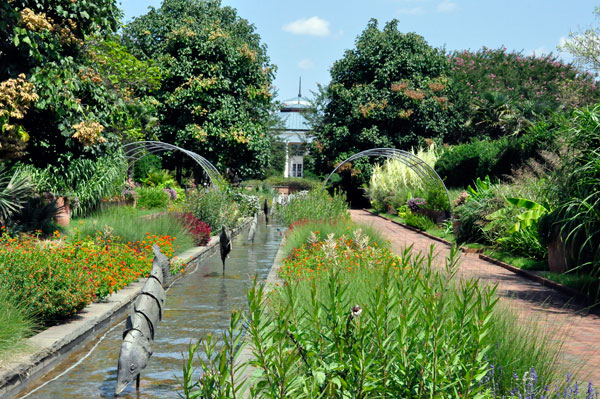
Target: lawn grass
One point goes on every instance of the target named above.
(127, 224)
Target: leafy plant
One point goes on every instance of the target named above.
(144, 165)
(420, 222)
(159, 178)
(36, 216)
(15, 187)
(86, 182)
(152, 197)
(213, 207)
(314, 205)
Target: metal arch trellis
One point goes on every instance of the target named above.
(136, 151)
(420, 167)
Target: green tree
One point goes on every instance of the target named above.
(391, 90)
(216, 94)
(63, 57)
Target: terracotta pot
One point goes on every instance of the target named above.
(63, 216)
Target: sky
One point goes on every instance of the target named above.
(305, 37)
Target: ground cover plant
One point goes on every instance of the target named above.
(58, 277)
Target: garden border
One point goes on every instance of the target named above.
(524, 273)
(58, 341)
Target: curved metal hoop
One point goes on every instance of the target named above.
(416, 164)
(136, 151)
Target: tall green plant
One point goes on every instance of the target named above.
(394, 182)
(314, 205)
(578, 217)
(85, 181)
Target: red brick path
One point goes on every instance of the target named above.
(581, 350)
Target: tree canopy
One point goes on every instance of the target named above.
(65, 93)
(391, 90)
(216, 94)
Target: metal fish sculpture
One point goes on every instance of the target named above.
(225, 245)
(252, 231)
(266, 209)
(142, 323)
(164, 263)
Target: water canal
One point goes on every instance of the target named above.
(198, 304)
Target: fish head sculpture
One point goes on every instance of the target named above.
(133, 358)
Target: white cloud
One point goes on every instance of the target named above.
(313, 26)
(411, 11)
(446, 6)
(538, 52)
(306, 63)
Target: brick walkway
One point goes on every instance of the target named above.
(581, 350)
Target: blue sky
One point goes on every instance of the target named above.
(305, 37)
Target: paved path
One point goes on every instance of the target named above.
(581, 350)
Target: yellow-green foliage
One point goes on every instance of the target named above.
(393, 183)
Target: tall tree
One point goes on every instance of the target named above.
(58, 100)
(391, 90)
(216, 95)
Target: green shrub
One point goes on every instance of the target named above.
(420, 222)
(125, 224)
(85, 182)
(144, 165)
(294, 183)
(213, 207)
(462, 164)
(314, 205)
(152, 197)
(577, 217)
(394, 182)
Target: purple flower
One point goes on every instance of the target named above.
(172, 193)
(415, 203)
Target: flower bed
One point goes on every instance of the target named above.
(57, 278)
